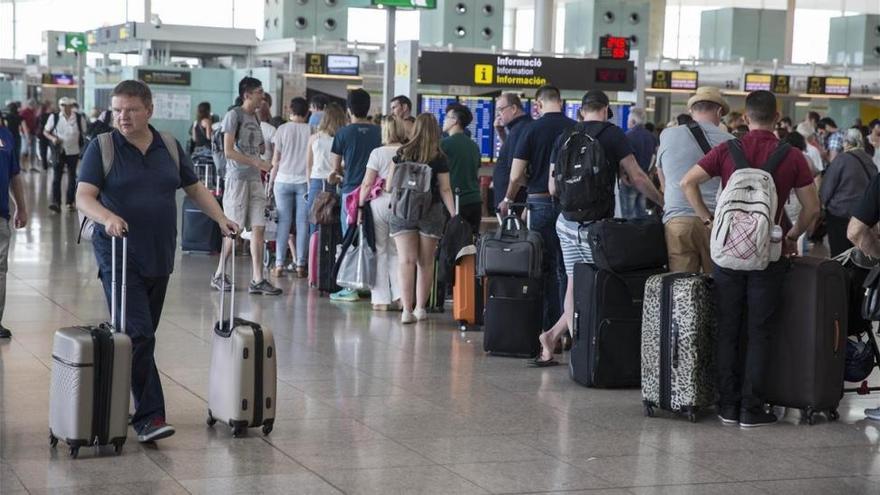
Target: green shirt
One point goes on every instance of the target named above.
(463, 157)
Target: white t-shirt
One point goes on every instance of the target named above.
(291, 140)
(815, 157)
(380, 160)
(268, 131)
(321, 167)
(67, 130)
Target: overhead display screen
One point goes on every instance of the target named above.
(482, 128)
(319, 64)
(674, 79)
(777, 83)
(829, 86)
(613, 47)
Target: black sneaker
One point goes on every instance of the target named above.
(55, 208)
(219, 283)
(5, 333)
(728, 415)
(156, 429)
(755, 417)
(263, 287)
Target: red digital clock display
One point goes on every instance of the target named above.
(605, 75)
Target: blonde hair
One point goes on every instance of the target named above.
(392, 130)
(333, 119)
(853, 140)
(424, 142)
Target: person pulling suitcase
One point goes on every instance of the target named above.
(137, 194)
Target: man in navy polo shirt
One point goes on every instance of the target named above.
(10, 180)
(531, 168)
(137, 196)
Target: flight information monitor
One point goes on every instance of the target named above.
(436, 104)
(571, 108)
(482, 128)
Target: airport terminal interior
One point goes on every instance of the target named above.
(336, 375)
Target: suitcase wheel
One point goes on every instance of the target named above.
(73, 451)
(267, 428)
(692, 416)
(239, 430)
(810, 415)
(649, 409)
(53, 440)
(211, 420)
(833, 415)
(117, 447)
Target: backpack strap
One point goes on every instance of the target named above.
(55, 116)
(171, 145)
(776, 157)
(108, 150)
(865, 167)
(734, 147)
(700, 136)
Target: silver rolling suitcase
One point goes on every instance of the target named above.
(241, 385)
(91, 378)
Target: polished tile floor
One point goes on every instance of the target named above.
(368, 406)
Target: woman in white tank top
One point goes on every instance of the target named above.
(319, 167)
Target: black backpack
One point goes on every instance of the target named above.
(102, 125)
(584, 178)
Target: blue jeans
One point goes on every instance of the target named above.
(543, 213)
(632, 203)
(146, 297)
(315, 186)
(290, 200)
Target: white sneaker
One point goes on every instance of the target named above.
(420, 314)
(406, 318)
(873, 413)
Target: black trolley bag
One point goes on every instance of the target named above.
(198, 232)
(511, 261)
(607, 326)
(808, 345)
(329, 239)
(91, 377)
(678, 344)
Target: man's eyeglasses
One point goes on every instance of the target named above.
(502, 109)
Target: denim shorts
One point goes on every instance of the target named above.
(430, 225)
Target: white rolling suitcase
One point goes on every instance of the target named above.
(91, 378)
(242, 382)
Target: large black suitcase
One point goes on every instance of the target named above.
(198, 232)
(606, 348)
(808, 345)
(329, 238)
(513, 316)
(627, 245)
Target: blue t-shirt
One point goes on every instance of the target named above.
(354, 143)
(536, 144)
(644, 145)
(141, 189)
(9, 168)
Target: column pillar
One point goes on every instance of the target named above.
(543, 26)
(789, 30)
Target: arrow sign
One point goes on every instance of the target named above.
(76, 42)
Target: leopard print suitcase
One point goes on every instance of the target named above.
(678, 344)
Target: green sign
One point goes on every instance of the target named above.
(75, 42)
(407, 4)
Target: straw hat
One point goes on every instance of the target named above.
(709, 93)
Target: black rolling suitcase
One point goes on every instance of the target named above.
(198, 233)
(329, 239)
(513, 317)
(606, 347)
(808, 345)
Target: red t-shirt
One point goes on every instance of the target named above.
(30, 119)
(792, 172)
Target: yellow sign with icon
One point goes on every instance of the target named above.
(483, 73)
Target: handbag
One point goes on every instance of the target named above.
(325, 209)
(357, 263)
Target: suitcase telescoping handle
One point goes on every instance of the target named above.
(231, 286)
(119, 327)
(511, 222)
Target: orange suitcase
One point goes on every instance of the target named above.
(467, 293)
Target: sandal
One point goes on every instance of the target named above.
(539, 363)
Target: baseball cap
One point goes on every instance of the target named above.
(596, 96)
(64, 101)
